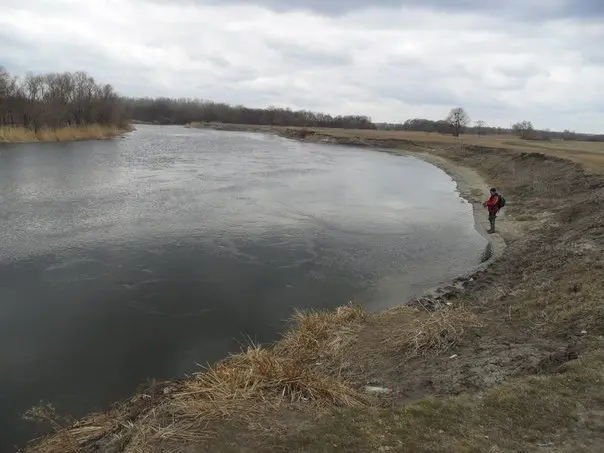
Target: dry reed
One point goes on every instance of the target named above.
(426, 332)
(319, 333)
(239, 387)
(10, 134)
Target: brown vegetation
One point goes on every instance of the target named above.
(13, 134)
(587, 153)
(240, 387)
(422, 332)
(185, 111)
(57, 107)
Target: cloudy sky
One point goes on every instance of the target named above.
(541, 60)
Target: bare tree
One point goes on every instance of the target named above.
(4, 81)
(57, 100)
(458, 119)
(523, 129)
(480, 125)
(181, 111)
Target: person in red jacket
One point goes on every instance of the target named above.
(492, 204)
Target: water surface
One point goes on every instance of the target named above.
(133, 259)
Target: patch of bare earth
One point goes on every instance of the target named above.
(510, 359)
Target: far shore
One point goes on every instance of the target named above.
(589, 154)
(18, 134)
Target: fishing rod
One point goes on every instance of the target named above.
(330, 226)
(463, 214)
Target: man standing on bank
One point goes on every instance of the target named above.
(493, 204)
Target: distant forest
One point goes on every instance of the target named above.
(38, 101)
(56, 100)
(183, 111)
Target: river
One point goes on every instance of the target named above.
(132, 259)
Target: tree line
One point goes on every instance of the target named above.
(184, 111)
(458, 122)
(56, 100)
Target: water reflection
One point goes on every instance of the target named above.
(134, 259)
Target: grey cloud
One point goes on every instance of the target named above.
(595, 56)
(416, 81)
(17, 57)
(300, 54)
(220, 62)
(410, 94)
(239, 96)
(521, 9)
(519, 71)
(411, 82)
(421, 65)
(499, 69)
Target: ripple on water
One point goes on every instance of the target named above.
(134, 259)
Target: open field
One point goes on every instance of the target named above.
(509, 359)
(10, 134)
(589, 154)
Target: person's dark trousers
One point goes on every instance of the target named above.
(492, 217)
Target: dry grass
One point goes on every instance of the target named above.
(266, 375)
(494, 141)
(573, 302)
(419, 332)
(434, 332)
(63, 439)
(237, 388)
(537, 413)
(286, 374)
(588, 154)
(71, 133)
(317, 334)
(247, 386)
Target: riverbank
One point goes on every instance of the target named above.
(509, 358)
(589, 154)
(10, 134)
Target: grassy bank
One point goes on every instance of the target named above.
(509, 359)
(10, 134)
(588, 154)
